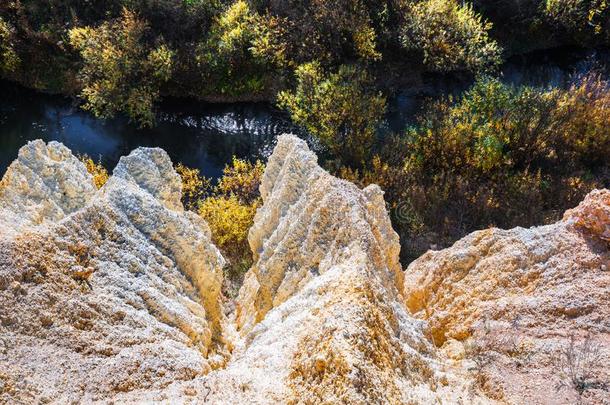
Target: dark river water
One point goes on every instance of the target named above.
(198, 135)
(206, 136)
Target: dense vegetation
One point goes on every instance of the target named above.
(122, 55)
(496, 155)
(228, 208)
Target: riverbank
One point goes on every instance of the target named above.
(207, 135)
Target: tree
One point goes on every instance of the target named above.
(339, 109)
(122, 72)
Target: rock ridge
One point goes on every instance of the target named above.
(114, 295)
(523, 294)
(100, 291)
(309, 222)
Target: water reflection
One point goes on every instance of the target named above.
(202, 136)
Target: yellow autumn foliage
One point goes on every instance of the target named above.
(228, 208)
(229, 220)
(194, 185)
(96, 169)
(241, 179)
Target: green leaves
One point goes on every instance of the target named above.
(337, 108)
(450, 36)
(121, 72)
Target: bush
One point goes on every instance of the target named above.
(230, 212)
(238, 50)
(587, 20)
(96, 169)
(121, 72)
(242, 179)
(493, 127)
(234, 55)
(498, 155)
(332, 32)
(269, 42)
(583, 117)
(228, 208)
(518, 141)
(230, 220)
(9, 60)
(194, 186)
(450, 35)
(577, 365)
(496, 128)
(339, 109)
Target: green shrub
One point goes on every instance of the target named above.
(121, 72)
(238, 52)
(339, 109)
(230, 220)
(493, 127)
(498, 155)
(269, 41)
(583, 118)
(450, 36)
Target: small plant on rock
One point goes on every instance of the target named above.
(96, 169)
(576, 364)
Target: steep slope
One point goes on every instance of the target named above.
(114, 296)
(320, 316)
(513, 299)
(100, 292)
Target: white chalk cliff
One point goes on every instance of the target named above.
(114, 295)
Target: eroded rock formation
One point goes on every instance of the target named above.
(45, 183)
(519, 296)
(114, 295)
(309, 223)
(320, 317)
(100, 291)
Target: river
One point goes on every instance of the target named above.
(199, 135)
(206, 136)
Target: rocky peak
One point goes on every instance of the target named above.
(114, 295)
(521, 296)
(151, 170)
(45, 183)
(310, 222)
(105, 291)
